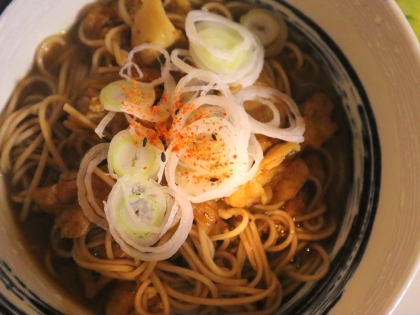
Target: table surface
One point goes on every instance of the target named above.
(409, 304)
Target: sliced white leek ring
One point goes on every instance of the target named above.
(116, 95)
(129, 155)
(222, 46)
(269, 27)
(140, 211)
(263, 24)
(202, 171)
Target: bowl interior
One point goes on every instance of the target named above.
(363, 156)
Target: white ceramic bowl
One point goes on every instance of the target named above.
(374, 59)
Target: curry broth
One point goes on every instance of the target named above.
(35, 230)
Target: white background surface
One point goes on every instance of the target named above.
(410, 301)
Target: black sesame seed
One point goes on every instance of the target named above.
(176, 111)
(163, 157)
(144, 141)
(213, 136)
(214, 179)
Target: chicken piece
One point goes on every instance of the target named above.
(98, 22)
(82, 104)
(51, 198)
(67, 187)
(295, 206)
(72, 222)
(206, 214)
(254, 192)
(61, 200)
(316, 112)
(248, 195)
(121, 299)
(291, 180)
(152, 25)
(316, 165)
(46, 198)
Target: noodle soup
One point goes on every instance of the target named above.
(167, 180)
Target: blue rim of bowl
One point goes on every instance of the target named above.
(4, 4)
(326, 292)
(14, 283)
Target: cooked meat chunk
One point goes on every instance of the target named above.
(121, 299)
(67, 187)
(61, 200)
(98, 22)
(270, 165)
(247, 195)
(295, 206)
(51, 198)
(317, 167)
(46, 198)
(206, 214)
(72, 222)
(291, 179)
(82, 104)
(316, 111)
(257, 190)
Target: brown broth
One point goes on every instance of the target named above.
(35, 231)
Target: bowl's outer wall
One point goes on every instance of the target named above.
(383, 50)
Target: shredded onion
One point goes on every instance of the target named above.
(86, 198)
(196, 83)
(221, 46)
(198, 135)
(271, 97)
(269, 27)
(211, 151)
(99, 130)
(130, 155)
(152, 112)
(117, 95)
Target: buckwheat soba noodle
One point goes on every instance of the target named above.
(177, 148)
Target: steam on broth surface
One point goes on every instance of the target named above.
(178, 158)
